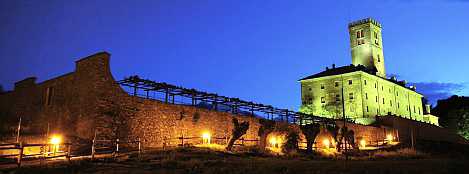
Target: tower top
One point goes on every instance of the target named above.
(364, 21)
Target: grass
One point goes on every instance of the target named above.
(252, 160)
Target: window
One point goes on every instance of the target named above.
(376, 85)
(389, 90)
(397, 93)
(383, 100)
(349, 82)
(336, 84)
(382, 88)
(379, 58)
(49, 94)
(323, 100)
(397, 104)
(365, 82)
(366, 96)
(376, 99)
(390, 102)
(360, 34)
(414, 110)
(309, 89)
(367, 109)
(350, 96)
(322, 86)
(337, 97)
(376, 35)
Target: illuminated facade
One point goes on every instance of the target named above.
(363, 85)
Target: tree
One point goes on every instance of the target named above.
(1, 89)
(453, 114)
(267, 126)
(334, 130)
(291, 144)
(310, 131)
(238, 131)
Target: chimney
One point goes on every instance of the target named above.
(427, 108)
(333, 66)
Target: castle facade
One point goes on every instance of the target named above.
(361, 91)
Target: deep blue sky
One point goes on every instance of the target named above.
(253, 50)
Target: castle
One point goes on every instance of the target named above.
(361, 91)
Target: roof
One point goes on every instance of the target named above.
(340, 70)
(352, 68)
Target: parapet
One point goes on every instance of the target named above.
(364, 21)
(25, 83)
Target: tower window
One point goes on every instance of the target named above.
(349, 82)
(336, 84)
(367, 109)
(390, 102)
(376, 99)
(365, 82)
(379, 58)
(309, 89)
(397, 93)
(366, 96)
(350, 95)
(376, 85)
(360, 34)
(382, 88)
(383, 100)
(323, 99)
(397, 104)
(337, 97)
(322, 86)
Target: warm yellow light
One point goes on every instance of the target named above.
(389, 137)
(206, 137)
(273, 141)
(326, 143)
(363, 143)
(55, 140)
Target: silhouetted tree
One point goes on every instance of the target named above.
(453, 114)
(238, 131)
(1, 89)
(310, 131)
(334, 130)
(291, 143)
(267, 126)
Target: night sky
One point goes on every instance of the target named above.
(253, 50)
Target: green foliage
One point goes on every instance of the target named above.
(291, 143)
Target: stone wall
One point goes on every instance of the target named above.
(88, 101)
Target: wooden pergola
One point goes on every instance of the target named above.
(235, 104)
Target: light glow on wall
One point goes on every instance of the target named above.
(363, 143)
(55, 140)
(389, 137)
(206, 138)
(326, 143)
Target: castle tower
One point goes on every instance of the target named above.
(366, 45)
